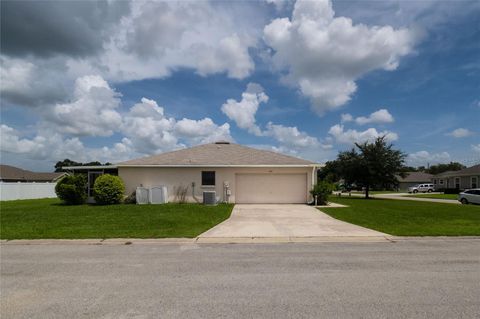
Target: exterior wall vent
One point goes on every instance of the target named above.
(209, 198)
(222, 142)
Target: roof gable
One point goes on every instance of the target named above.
(8, 172)
(472, 170)
(416, 177)
(218, 154)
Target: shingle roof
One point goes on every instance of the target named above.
(416, 177)
(12, 173)
(218, 154)
(472, 170)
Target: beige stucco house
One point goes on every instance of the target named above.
(238, 174)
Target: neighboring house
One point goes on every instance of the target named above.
(12, 174)
(412, 179)
(17, 183)
(238, 174)
(463, 179)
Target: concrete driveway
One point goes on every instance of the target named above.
(269, 220)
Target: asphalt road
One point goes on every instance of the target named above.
(422, 279)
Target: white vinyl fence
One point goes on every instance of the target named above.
(11, 191)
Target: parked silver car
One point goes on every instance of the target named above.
(470, 196)
(423, 188)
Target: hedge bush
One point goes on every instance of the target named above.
(321, 191)
(108, 189)
(72, 189)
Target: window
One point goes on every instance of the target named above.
(457, 182)
(435, 181)
(473, 182)
(441, 182)
(208, 178)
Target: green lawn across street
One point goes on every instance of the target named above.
(408, 218)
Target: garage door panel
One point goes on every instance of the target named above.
(271, 188)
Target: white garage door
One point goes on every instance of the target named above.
(271, 188)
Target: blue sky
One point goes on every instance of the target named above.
(307, 78)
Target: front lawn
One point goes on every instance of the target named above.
(48, 218)
(435, 196)
(408, 218)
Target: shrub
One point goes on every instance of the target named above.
(108, 189)
(72, 189)
(321, 192)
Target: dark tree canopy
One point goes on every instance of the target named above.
(69, 162)
(370, 165)
(440, 168)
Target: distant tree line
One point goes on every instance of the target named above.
(437, 169)
(69, 162)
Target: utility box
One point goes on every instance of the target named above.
(158, 195)
(142, 195)
(209, 198)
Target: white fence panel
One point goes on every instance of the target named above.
(12, 191)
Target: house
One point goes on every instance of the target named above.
(237, 174)
(12, 174)
(412, 179)
(17, 183)
(463, 179)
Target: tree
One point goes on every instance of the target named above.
(374, 164)
(68, 162)
(65, 162)
(329, 172)
(440, 168)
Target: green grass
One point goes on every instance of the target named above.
(48, 218)
(435, 196)
(409, 218)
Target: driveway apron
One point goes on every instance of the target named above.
(271, 220)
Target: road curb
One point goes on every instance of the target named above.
(233, 240)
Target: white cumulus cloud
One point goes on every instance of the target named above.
(460, 132)
(291, 137)
(351, 136)
(93, 110)
(158, 38)
(202, 131)
(324, 55)
(423, 158)
(243, 112)
(377, 117)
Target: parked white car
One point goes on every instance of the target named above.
(423, 188)
(470, 196)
